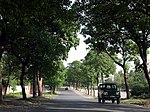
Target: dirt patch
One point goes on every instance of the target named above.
(144, 104)
(19, 105)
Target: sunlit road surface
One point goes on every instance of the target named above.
(70, 101)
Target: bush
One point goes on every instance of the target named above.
(139, 89)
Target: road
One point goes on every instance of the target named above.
(71, 101)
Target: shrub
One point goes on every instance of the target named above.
(139, 89)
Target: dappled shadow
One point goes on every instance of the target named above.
(68, 101)
(87, 106)
(15, 104)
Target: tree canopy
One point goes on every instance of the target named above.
(106, 22)
(38, 33)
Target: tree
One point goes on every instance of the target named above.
(103, 20)
(23, 20)
(87, 73)
(10, 70)
(138, 83)
(102, 64)
(74, 74)
(57, 77)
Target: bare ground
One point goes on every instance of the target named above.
(19, 105)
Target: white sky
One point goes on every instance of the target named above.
(79, 53)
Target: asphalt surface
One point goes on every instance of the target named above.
(69, 101)
(74, 101)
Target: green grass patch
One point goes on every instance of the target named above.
(14, 95)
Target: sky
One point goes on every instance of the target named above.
(77, 54)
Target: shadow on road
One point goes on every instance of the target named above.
(69, 101)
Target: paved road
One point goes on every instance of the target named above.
(70, 101)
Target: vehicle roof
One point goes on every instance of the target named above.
(108, 84)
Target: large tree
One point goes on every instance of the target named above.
(102, 20)
(101, 63)
(91, 71)
(74, 74)
(24, 21)
(10, 70)
(57, 77)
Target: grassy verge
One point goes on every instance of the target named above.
(13, 95)
(142, 102)
(19, 96)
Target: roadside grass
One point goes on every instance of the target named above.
(13, 95)
(137, 101)
(29, 96)
(16, 99)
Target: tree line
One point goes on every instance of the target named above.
(35, 36)
(118, 27)
(99, 68)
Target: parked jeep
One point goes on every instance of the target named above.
(108, 91)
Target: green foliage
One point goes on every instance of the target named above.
(119, 80)
(139, 89)
(138, 84)
(10, 68)
(102, 64)
(118, 27)
(39, 34)
(74, 72)
(89, 72)
(13, 84)
(57, 77)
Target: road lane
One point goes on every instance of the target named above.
(70, 101)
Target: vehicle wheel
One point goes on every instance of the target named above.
(118, 100)
(103, 100)
(66, 88)
(113, 100)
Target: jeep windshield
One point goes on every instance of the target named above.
(108, 86)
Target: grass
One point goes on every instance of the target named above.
(19, 95)
(14, 95)
(139, 101)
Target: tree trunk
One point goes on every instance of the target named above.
(126, 83)
(53, 89)
(10, 69)
(76, 86)
(3, 36)
(34, 85)
(97, 78)
(143, 55)
(93, 91)
(88, 90)
(147, 75)
(6, 86)
(22, 83)
(102, 78)
(40, 88)
(1, 94)
(91, 87)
